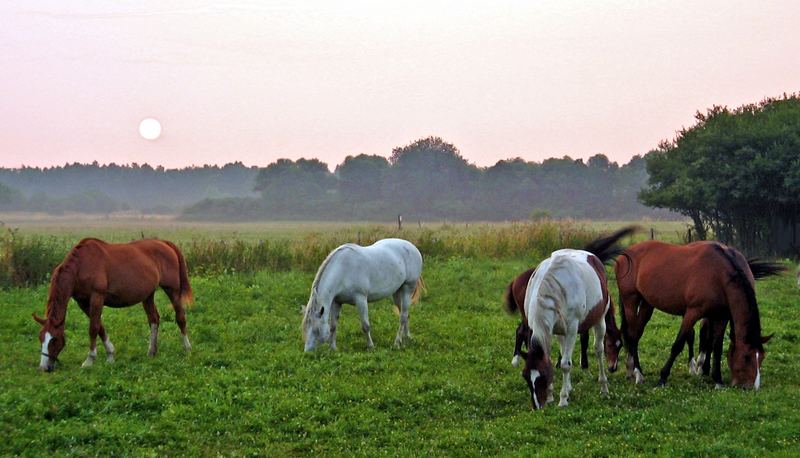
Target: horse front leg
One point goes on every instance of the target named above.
(335, 309)
(632, 333)
(522, 335)
(567, 347)
(716, 337)
(95, 310)
(363, 314)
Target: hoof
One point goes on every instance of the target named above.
(110, 358)
(638, 377)
(662, 383)
(718, 386)
(563, 403)
(87, 363)
(515, 361)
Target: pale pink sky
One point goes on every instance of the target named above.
(259, 80)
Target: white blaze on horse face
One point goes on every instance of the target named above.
(757, 384)
(534, 375)
(43, 362)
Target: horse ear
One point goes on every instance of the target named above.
(766, 339)
(39, 320)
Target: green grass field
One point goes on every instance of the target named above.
(247, 388)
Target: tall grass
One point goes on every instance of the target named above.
(28, 259)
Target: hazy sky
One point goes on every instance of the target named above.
(258, 80)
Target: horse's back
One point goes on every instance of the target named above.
(399, 252)
(576, 282)
(668, 276)
(126, 272)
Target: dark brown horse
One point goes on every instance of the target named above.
(514, 299)
(698, 280)
(96, 273)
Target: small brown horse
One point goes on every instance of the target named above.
(96, 273)
(698, 280)
(514, 299)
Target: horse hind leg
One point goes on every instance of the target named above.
(599, 339)
(688, 322)
(154, 319)
(363, 314)
(180, 315)
(402, 298)
(93, 309)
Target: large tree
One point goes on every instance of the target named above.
(429, 176)
(736, 172)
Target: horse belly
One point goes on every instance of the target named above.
(129, 285)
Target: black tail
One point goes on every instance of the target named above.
(762, 269)
(509, 304)
(606, 248)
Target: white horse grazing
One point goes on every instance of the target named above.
(567, 292)
(352, 274)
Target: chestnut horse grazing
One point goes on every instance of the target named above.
(567, 293)
(698, 280)
(96, 273)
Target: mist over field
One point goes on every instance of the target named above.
(427, 179)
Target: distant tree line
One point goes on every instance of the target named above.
(95, 188)
(736, 174)
(429, 179)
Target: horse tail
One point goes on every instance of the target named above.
(418, 290)
(629, 258)
(762, 269)
(606, 248)
(509, 303)
(739, 276)
(186, 294)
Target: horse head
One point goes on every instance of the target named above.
(53, 341)
(538, 374)
(316, 329)
(745, 362)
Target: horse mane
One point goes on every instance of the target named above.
(753, 335)
(327, 261)
(550, 286)
(62, 283)
(318, 277)
(606, 248)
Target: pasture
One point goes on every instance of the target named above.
(247, 388)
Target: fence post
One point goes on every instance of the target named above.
(652, 234)
(400, 222)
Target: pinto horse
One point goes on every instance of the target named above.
(515, 295)
(96, 273)
(698, 280)
(352, 274)
(567, 293)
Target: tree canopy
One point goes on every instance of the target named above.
(736, 172)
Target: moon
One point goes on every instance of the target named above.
(150, 129)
